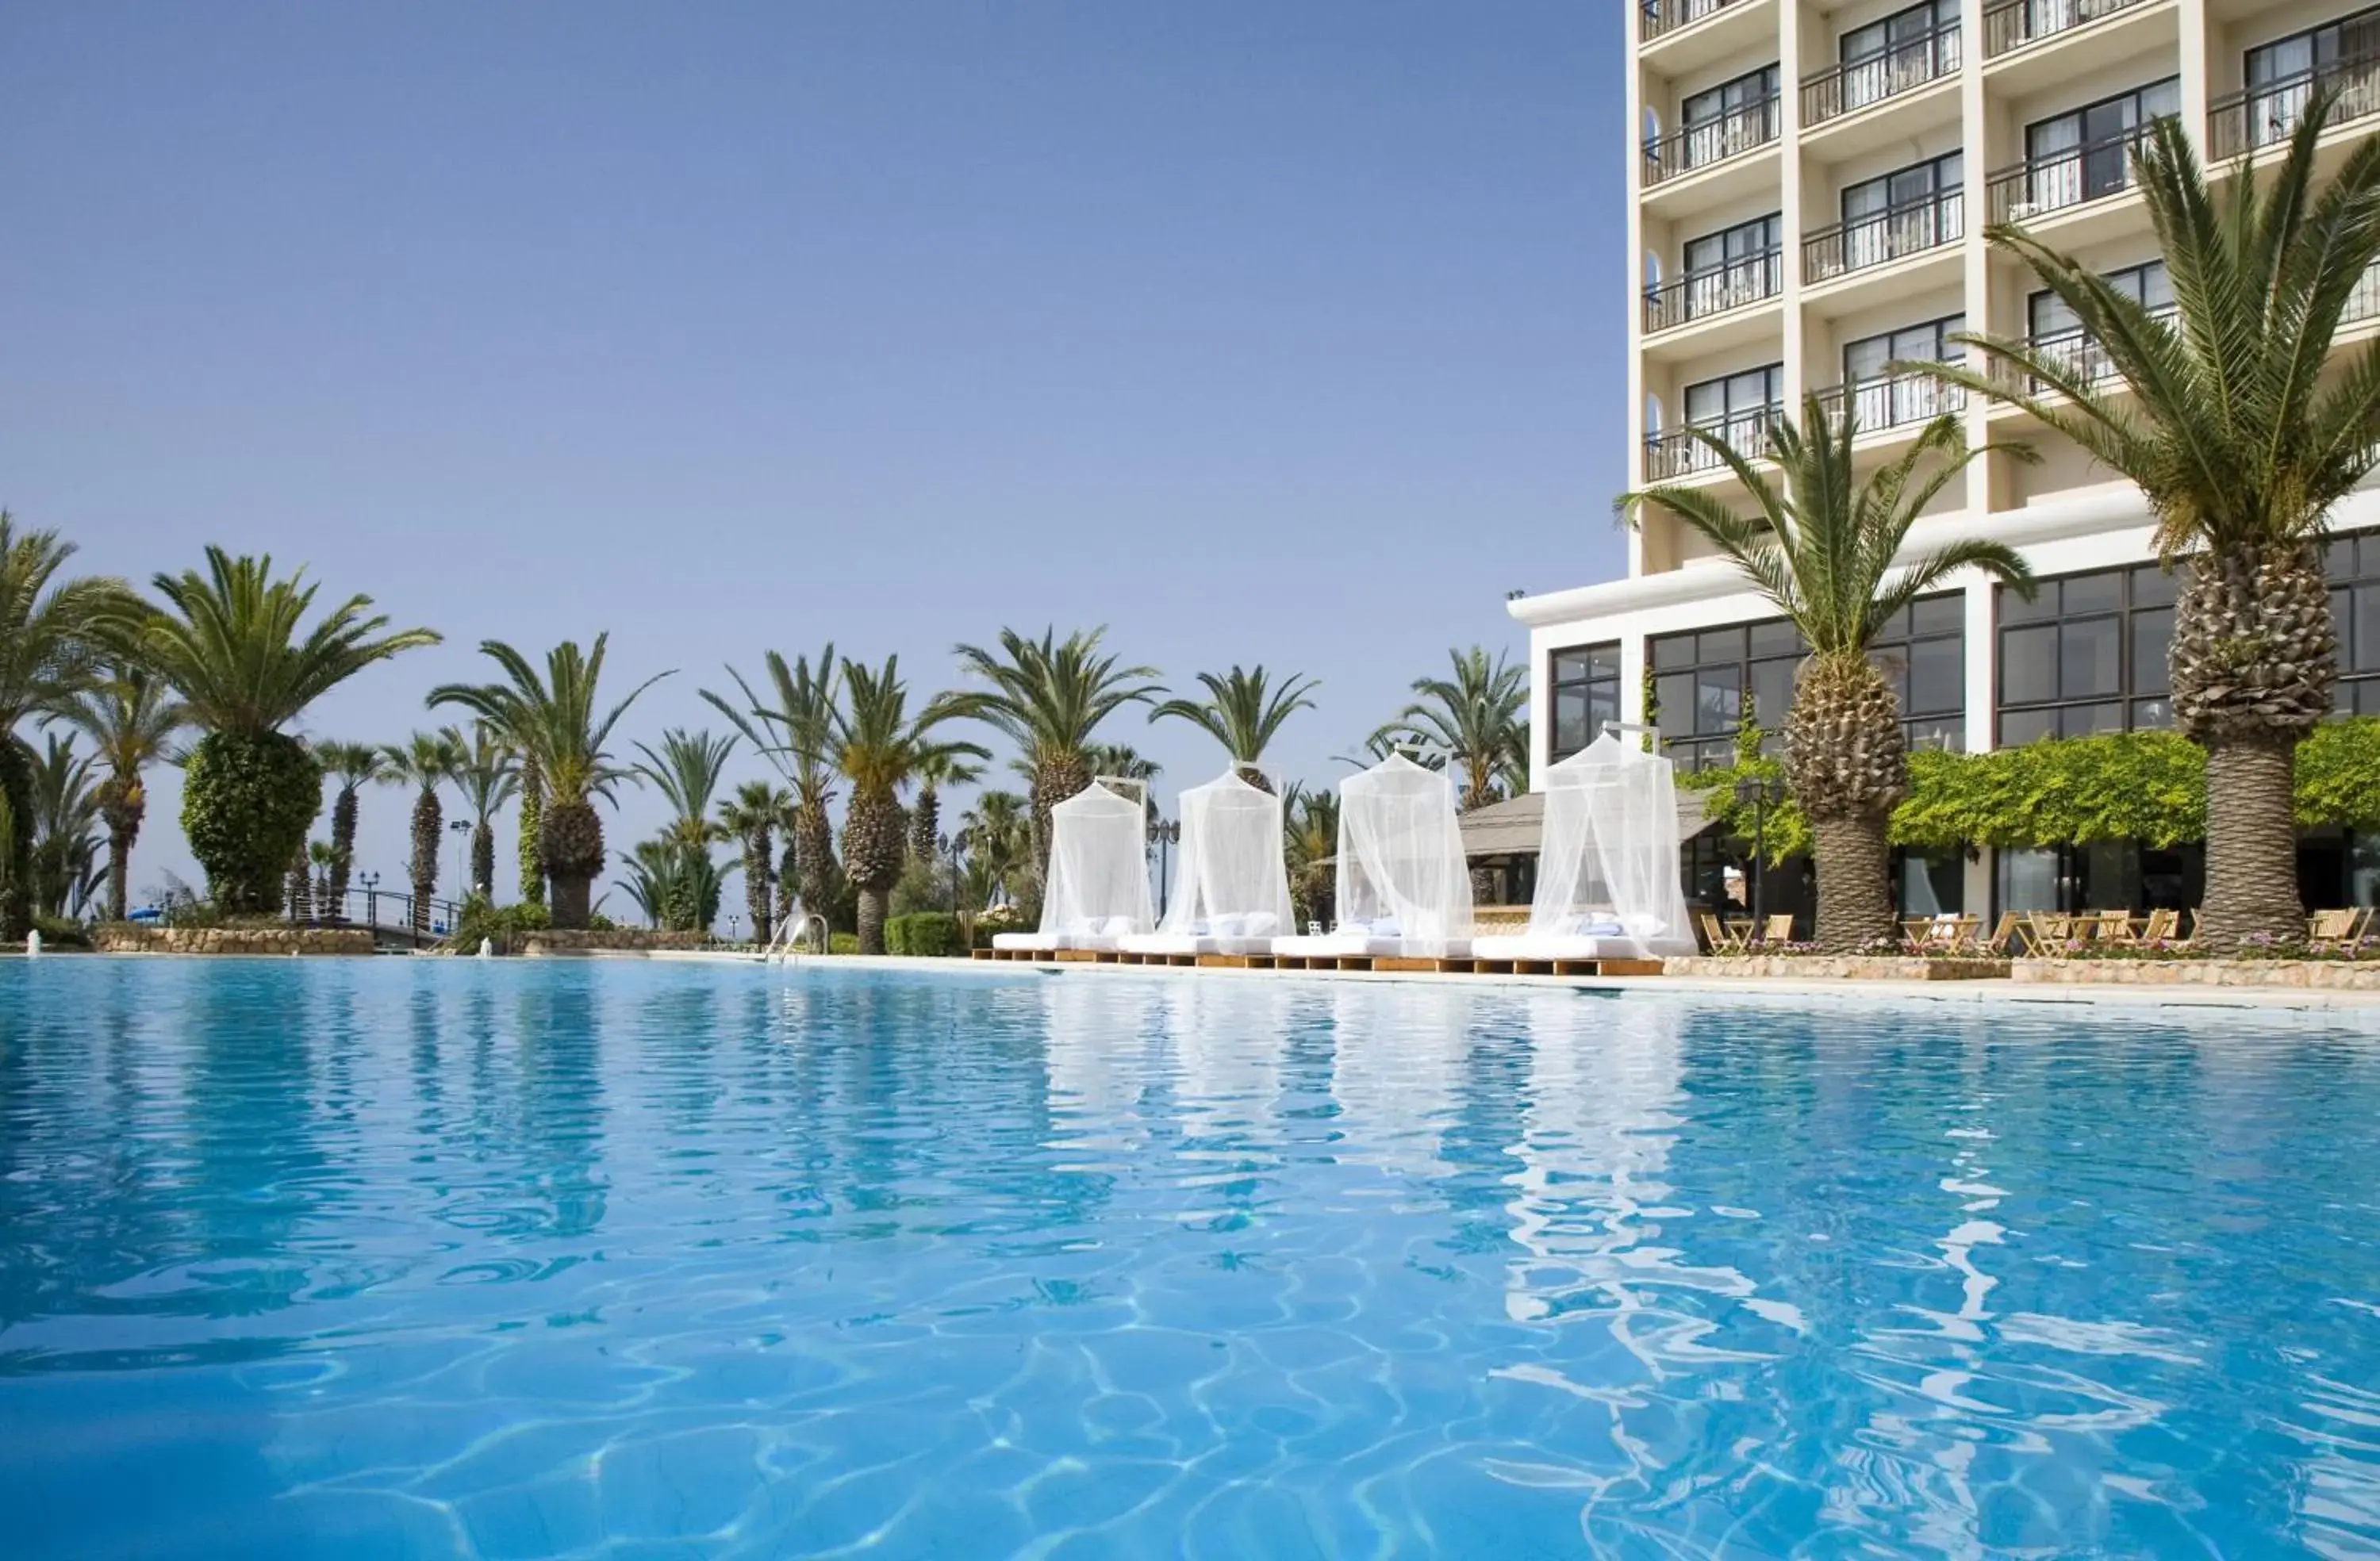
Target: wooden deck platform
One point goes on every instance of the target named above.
(1384, 963)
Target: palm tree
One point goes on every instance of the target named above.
(532, 787)
(751, 817)
(553, 720)
(2241, 443)
(425, 761)
(488, 774)
(1311, 846)
(1823, 551)
(1474, 720)
(879, 748)
(130, 717)
(796, 733)
(324, 858)
(231, 641)
(686, 772)
(65, 825)
(1049, 698)
(1244, 713)
(996, 837)
(926, 818)
(47, 627)
(357, 765)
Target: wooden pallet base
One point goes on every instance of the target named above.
(1386, 964)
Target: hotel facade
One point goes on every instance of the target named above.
(1807, 204)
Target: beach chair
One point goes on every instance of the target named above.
(2164, 926)
(2011, 937)
(2333, 930)
(2114, 926)
(1779, 928)
(1721, 941)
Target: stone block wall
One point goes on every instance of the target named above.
(545, 945)
(132, 939)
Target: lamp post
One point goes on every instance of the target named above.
(1757, 793)
(1165, 832)
(371, 898)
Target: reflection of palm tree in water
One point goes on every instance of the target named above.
(560, 1088)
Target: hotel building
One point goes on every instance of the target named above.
(1807, 204)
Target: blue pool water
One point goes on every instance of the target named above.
(412, 1258)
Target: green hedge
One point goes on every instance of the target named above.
(843, 943)
(924, 933)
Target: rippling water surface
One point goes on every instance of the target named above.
(426, 1258)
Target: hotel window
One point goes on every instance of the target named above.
(2282, 75)
(2087, 654)
(1735, 267)
(2087, 153)
(1586, 695)
(1738, 401)
(2354, 569)
(1746, 92)
(1900, 50)
(1923, 654)
(1881, 401)
(1731, 117)
(1904, 211)
(1700, 679)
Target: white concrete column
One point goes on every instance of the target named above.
(1976, 143)
(1789, 86)
(2191, 18)
(1636, 184)
(1983, 663)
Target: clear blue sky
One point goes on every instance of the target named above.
(1270, 332)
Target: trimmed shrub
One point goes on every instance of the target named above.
(843, 943)
(932, 935)
(62, 932)
(502, 925)
(247, 803)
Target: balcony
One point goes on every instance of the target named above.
(2058, 180)
(1889, 235)
(2269, 114)
(1669, 456)
(1660, 17)
(2075, 353)
(1719, 290)
(1892, 401)
(1712, 142)
(2011, 24)
(1848, 87)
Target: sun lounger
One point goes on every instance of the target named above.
(1225, 935)
(1360, 942)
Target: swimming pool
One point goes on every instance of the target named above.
(427, 1258)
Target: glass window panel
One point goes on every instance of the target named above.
(1776, 636)
(1719, 700)
(1571, 732)
(2014, 609)
(1772, 692)
(2367, 629)
(2152, 587)
(2093, 593)
(2029, 665)
(2338, 557)
(1937, 676)
(2083, 720)
(1603, 661)
(1892, 661)
(1949, 735)
(1675, 692)
(2048, 315)
(1938, 614)
(2367, 697)
(2367, 553)
(2155, 286)
(2152, 645)
(2151, 715)
(2165, 97)
(1706, 403)
(2089, 657)
(1602, 710)
(1865, 359)
(2020, 727)
(1674, 650)
(1718, 644)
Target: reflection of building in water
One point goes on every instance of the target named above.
(1397, 1073)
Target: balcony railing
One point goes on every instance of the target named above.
(2364, 302)
(1904, 67)
(1667, 15)
(2057, 180)
(1713, 141)
(2268, 114)
(1892, 401)
(2011, 24)
(1699, 295)
(1676, 454)
(1884, 236)
(2076, 353)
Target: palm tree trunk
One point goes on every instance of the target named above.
(1854, 882)
(872, 919)
(429, 819)
(1054, 779)
(571, 894)
(788, 871)
(756, 883)
(925, 826)
(123, 813)
(817, 855)
(298, 890)
(483, 860)
(2251, 843)
(570, 847)
(16, 840)
(532, 823)
(342, 848)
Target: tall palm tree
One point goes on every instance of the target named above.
(789, 860)
(130, 717)
(552, 718)
(65, 825)
(1050, 697)
(324, 858)
(233, 643)
(926, 818)
(996, 837)
(425, 761)
(1244, 712)
(1311, 845)
(879, 748)
(686, 772)
(794, 730)
(488, 774)
(1474, 720)
(751, 817)
(1825, 550)
(532, 787)
(356, 766)
(2242, 443)
(48, 624)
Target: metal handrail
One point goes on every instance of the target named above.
(1678, 453)
(2075, 176)
(2012, 24)
(2268, 114)
(1715, 290)
(1714, 141)
(1662, 16)
(1856, 84)
(1908, 229)
(1892, 401)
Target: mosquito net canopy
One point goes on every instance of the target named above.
(1098, 865)
(1400, 868)
(1608, 863)
(1234, 882)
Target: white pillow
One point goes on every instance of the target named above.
(1228, 926)
(1116, 926)
(1259, 924)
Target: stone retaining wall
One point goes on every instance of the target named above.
(282, 940)
(555, 941)
(2335, 976)
(1830, 967)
